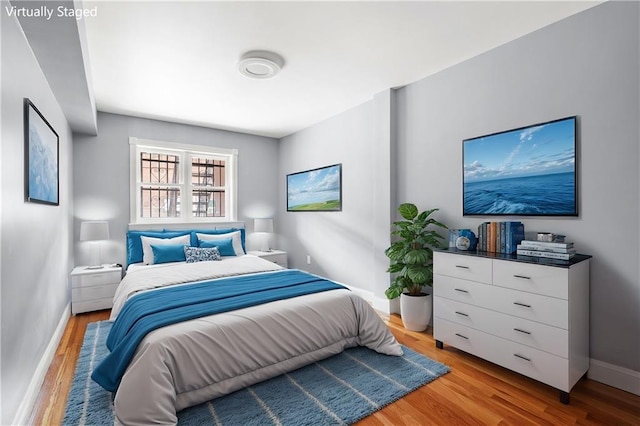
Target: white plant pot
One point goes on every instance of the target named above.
(416, 311)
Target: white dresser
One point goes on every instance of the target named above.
(93, 289)
(530, 317)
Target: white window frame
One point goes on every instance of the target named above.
(185, 153)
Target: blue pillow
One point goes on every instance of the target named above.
(194, 237)
(134, 244)
(225, 246)
(168, 253)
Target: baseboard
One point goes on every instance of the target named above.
(365, 294)
(613, 375)
(25, 408)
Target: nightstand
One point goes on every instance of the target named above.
(276, 256)
(93, 289)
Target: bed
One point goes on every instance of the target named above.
(197, 359)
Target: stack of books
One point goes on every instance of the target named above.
(551, 250)
(500, 237)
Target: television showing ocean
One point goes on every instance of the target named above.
(552, 194)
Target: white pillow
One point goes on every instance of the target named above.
(147, 251)
(235, 236)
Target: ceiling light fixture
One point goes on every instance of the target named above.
(260, 64)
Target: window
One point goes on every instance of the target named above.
(181, 183)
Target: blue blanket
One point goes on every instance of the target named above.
(148, 311)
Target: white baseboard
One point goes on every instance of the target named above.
(384, 305)
(25, 408)
(613, 375)
(365, 294)
(380, 304)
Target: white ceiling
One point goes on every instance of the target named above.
(176, 60)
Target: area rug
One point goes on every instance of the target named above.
(339, 390)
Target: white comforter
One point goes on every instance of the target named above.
(192, 362)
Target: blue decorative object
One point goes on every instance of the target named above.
(195, 232)
(466, 240)
(168, 253)
(224, 246)
(134, 244)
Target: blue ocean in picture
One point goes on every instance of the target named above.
(542, 194)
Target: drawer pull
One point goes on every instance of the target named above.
(462, 267)
(460, 335)
(462, 313)
(461, 290)
(522, 331)
(522, 357)
(522, 304)
(523, 277)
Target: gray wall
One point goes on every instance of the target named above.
(101, 174)
(36, 239)
(346, 246)
(586, 65)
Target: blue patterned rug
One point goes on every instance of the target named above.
(339, 390)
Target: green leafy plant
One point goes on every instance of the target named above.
(411, 255)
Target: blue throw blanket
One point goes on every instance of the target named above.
(148, 311)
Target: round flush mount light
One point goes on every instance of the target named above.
(260, 64)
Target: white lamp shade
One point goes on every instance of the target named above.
(263, 225)
(94, 231)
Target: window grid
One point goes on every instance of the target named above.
(157, 199)
(208, 193)
(160, 202)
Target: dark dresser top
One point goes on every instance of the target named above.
(520, 258)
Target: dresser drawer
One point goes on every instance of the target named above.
(93, 292)
(461, 290)
(91, 305)
(87, 280)
(461, 266)
(539, 365)
(533, 307)
(532, 278)
(539, 336)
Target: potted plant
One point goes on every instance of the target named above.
(411, 259)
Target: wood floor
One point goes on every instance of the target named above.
(475, 392)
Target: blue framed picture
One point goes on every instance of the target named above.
(316, 190)
(529, 171)
(41, 157)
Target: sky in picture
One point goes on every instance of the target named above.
(316, 186)
(536, 150)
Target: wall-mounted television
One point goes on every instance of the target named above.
(317, 190)
(528, 171)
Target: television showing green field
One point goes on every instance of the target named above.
(317, 190)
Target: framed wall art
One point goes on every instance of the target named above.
(41, 158)
(316, 190)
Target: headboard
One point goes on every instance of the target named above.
(134, 245)
(184, 226)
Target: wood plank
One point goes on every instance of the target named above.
(474, 392)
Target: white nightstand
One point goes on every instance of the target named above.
(276, 256)
(93, 289)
